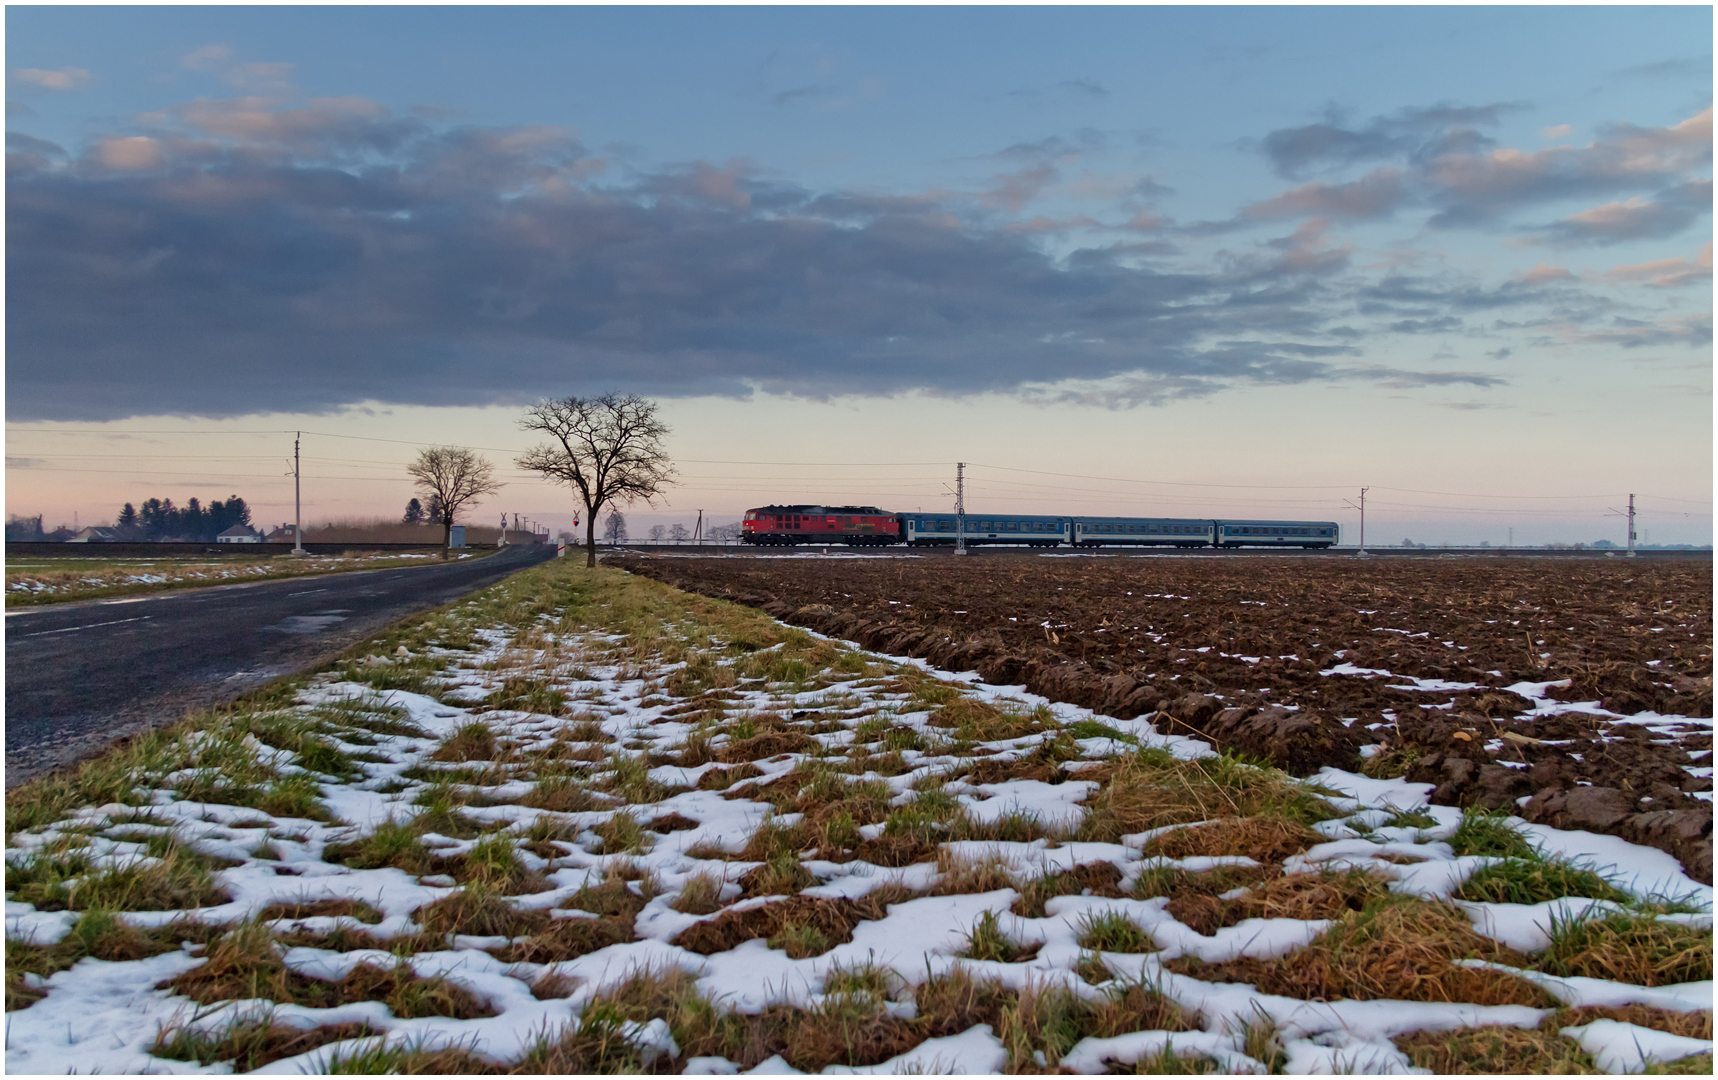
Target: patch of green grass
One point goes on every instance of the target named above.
(1484, 832)
(1111, 931)
(1533, 881)
(801, 942)
(1092, 729)
(178, 879)
(986, 941)
(390, 843)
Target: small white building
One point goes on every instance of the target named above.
(239, 534)
(98, 534)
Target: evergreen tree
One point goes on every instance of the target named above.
(127, 517)
(193, 523)
(414, 513)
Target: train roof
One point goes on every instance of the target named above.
(1124, 517)
(1268, 521)
(805, 509)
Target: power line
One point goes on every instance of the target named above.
(1171, 483)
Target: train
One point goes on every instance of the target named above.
(869, 526)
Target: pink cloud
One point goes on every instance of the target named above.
(1667, 273)
(1544, 272)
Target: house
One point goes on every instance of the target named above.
(282, 535)
(239, 534)
(99, 534)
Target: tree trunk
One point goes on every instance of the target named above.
(446, 535)
(591, 538)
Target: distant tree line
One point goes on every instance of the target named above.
(159, 519)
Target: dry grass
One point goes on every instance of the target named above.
(700, 894)
(833, 919)
(250, 1044)
(1494, 1050)
(1690, 1025)
(311, 909)
(99, 933)
(1629, 948)
(563, 795)
(1298, 896)
(1402, 951)
(1150, 789)
(1266, 840)
(245, 964)
(1089, 879)
(480, 912)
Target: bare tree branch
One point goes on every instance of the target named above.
(608, 449)
(452, 476)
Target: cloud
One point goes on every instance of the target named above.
(1696, 66)
(1693, 330)
(1543, 272)
(1473, 188)
(1667, 273)
(1441, 159)
(1392, 379)
(56, 79)
(1636, 218)
(207, 58)
(129, 152)
(1012, 191)
(1083, 87)
(802, 93)
(1558, 131)
(27, 154)
(1296, 151)
(228, 257)
(1376, 194)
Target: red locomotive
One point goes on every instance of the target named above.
(857, 526)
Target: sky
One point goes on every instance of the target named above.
(1227, 262)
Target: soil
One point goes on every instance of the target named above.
(1234, 650)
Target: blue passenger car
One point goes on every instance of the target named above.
(1030, 530)
(1141, 532)
(1306, 534)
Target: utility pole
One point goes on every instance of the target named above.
(960, 508)
(698, 529)
(297, 500)
(1629, 513)
(1362, 508)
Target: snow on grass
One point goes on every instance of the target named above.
(582, 822)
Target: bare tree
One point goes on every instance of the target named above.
(614, 531)
(451, 476)
(657, 532)
(608, 449)
(678, 532)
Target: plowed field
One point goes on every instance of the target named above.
(1574, 692)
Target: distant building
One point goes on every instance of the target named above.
(100, 534)
(283, 535)
(239, 534)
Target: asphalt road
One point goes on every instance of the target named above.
(81, 675)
